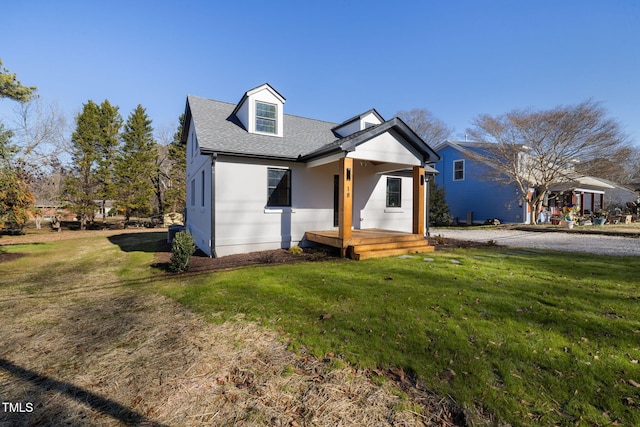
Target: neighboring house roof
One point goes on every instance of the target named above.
(219, 131)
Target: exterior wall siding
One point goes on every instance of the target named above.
(244, 223)
(198, 211)
(477, 193)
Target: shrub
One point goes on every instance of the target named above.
(438, 208)
(181, 250)
(295, 250)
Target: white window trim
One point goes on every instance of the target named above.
(275, 119)
(464, 170)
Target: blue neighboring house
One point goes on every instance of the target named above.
(471, 190)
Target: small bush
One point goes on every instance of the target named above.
(181, 250)
(295, 250)
(440, 240)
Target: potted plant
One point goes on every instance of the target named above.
(599, 217)
(569, 215)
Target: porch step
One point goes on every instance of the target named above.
(379, 250)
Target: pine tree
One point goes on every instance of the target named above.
(176, 194)
(80, 186)
(438, 207)
(136, 165)
(106, 150)
(10, 86)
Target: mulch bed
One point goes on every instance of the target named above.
(201, 262)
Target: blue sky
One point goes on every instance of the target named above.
(331, 59)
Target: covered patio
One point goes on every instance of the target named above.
(396, 223)
(361, 243)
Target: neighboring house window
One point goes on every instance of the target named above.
(394, 192)
(265, 117)
(193, 192)
(202, 176)
(279, 187)
(458, 170)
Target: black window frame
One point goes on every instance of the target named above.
(392, 193)
(278, 188)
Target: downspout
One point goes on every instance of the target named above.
(427, 179)
(212, 242)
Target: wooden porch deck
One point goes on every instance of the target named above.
(372, 242)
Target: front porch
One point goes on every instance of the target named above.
(372, 243)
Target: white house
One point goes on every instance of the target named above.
(260, 179)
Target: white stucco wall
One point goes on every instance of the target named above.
(243, 222)
(198, 212)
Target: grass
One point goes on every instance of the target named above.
(532, 338)
(535, 338)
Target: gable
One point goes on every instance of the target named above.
(360, 122)
(388, 147)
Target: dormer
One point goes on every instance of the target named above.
(260, 111)
(360, 122)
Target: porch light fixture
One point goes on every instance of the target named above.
(348, 174)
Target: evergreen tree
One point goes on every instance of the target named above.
(176, 194)
(10, 86)
(438, 208)
(106, 150)
(80, 186)
(15, 198)
(136, 165)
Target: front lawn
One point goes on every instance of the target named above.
(532, 338)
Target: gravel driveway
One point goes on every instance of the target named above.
(571, 242)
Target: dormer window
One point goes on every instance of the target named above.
(266, 115)
(261, 111)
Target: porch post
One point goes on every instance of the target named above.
(418, 200)
(345, 202)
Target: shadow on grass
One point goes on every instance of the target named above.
(96, 402)
(141, 242)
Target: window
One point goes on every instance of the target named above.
(193, 192)
(458, 170)
(202, 175)
(266, 117)
(394, 192)
(279, 187)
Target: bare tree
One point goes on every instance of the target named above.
(39, 135)
(537, 148)
(623, 166)
(428, 127)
